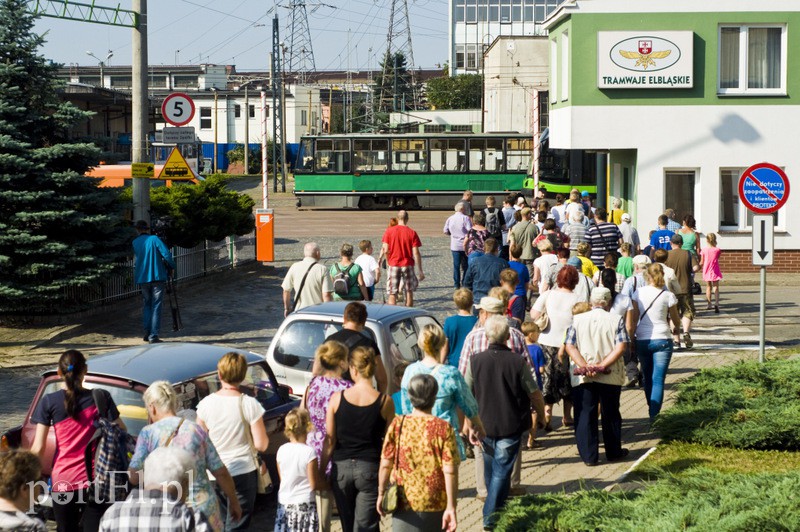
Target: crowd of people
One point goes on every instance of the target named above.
(554, 304)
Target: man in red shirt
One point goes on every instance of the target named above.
(401, 248)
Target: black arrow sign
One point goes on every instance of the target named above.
(763, 253)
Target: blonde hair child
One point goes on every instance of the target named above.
(297, 470)
(712, 275)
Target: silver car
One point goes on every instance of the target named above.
(395, 329)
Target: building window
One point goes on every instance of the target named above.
(733, 215)
(433, 128)
(565, 66)
(461, 128)
(252, 111)
(459, 10)
(752, 60)
(460, 53)
(472, 57)
(121, 82)
(185, 81)
(303, 117)
(237, 111)
(205, 118)
(505, 11)
(471, 12)
(679, 192)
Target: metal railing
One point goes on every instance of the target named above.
(190, 263)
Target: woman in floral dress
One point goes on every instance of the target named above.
(166, 429)
(423, 448)
(332, 358)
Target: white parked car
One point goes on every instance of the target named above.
(394, 328)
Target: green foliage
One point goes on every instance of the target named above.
(57, 228)
(397, 85)
(747, 406)
(701, 499)
(206, 211)
(460, 92)
(236, 155)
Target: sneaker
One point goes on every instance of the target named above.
(517, 491)
(687, 341)
(146, 338)
(156, 340)
(622, 454)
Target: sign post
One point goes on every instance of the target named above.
(763, 188)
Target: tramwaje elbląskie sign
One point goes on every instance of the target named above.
(645, 60)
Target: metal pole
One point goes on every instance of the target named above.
(283, 124)
(264, 171)
(140, 104)
(216, 130)
(537, 148)
(762, 316)
(246, 132)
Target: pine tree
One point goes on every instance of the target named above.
(58, 229)
(396, 87)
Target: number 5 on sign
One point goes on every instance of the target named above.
(178, 109)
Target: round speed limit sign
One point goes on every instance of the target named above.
(178, 109)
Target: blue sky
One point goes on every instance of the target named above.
(239, 32)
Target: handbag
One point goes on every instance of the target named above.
(391, 497)
(264, 479)
(543, 321)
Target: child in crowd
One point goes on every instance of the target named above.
(297, 470)
(397, 397)
(648, 249)
(514, 253)
(457, 327)
(369, 267)
(588, 269)
(712, 275)
(531, 332)
(625, 262)
(541, 216)
(509, 279)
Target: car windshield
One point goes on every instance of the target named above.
(129, 402)
(298, 342)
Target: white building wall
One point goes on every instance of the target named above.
(701, 138)
(514, 68)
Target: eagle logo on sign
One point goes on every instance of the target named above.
(645, 57)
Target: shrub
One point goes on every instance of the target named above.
(747, 405)
(701, 499)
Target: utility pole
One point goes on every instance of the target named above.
(246, 132)
(140, 106)
(216, 127)
(276, 76)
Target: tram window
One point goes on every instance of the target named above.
(486, 155)
(305, 156)
(448, 155)
(518, 154)
(409, 155)
(332, 155)
(371, 155)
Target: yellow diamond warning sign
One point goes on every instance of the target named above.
(176, 167)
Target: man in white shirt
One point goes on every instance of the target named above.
(309, 279)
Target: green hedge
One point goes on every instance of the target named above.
(702, 499)
(746, 406)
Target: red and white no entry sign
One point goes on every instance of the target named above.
(178, 109)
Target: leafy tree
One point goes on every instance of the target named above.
(58, 229)
(206, 211)
(459, 92)
(396, 86)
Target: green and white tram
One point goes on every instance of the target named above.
(371, 171)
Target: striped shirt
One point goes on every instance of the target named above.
(477, 342)
(576, 232)
(604, 237)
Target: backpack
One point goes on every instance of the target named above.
(107, 456)
(493, 221)
(341, 281)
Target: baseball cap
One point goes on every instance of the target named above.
(642, 260)
(626, 217)
(576, 262)
(491, 304)
(584, 193)
(520, 200)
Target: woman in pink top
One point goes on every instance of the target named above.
(71, 412)
(709, 261)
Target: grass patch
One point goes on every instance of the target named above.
(677, 457)
(701, 499)
(745, 406)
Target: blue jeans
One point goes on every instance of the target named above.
(459, 267)
(499, 456)
(654, 356)
(152, 296)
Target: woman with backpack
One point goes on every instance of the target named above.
(72, 412)
(348, 279)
